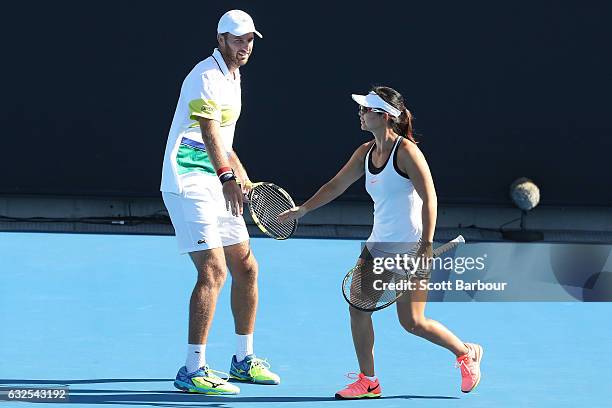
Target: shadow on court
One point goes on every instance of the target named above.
(95, 381)
(173, 398)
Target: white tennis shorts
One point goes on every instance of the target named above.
(200, 218)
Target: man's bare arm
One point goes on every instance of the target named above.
(214, 145)
(218, 157)
(236, 164)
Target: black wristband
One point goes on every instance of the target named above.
(225, 177)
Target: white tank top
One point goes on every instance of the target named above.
(397, 206)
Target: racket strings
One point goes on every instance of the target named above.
(367, 290)
(267, 202)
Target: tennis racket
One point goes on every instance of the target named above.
(368, 291)
(266, 202)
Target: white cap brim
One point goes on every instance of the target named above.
(238, 33)
(372, 100)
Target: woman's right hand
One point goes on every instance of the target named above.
(292, 214)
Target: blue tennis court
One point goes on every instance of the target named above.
(106, 315)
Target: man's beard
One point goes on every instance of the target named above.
(232, 57)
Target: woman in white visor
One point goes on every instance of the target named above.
(405, 209)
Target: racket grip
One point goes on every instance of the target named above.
(449, 245)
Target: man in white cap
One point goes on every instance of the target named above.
(201, 187)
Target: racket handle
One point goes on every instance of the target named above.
(449, 245)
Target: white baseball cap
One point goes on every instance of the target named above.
(372, 100)
(238, 23)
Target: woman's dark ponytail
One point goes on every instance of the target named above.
(405, 125)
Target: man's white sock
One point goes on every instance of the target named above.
(245, 346)
(196, 357)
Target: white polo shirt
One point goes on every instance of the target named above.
(209, 91)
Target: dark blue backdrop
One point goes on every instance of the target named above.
(499, 91)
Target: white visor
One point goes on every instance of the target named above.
(372, 100)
